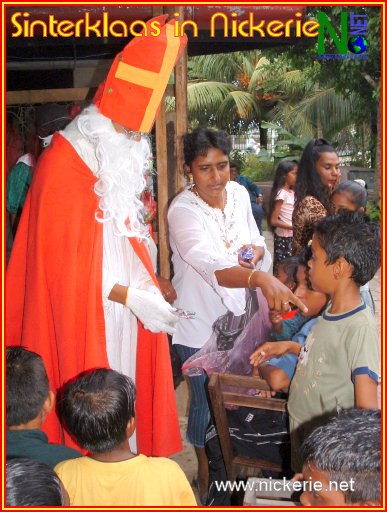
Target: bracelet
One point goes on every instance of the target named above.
(250, 276)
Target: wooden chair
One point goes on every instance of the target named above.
(220, 395)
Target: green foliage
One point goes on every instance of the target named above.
(289, 87)
(287, 144)
(373, 210)
(239, 157)
(257, 170)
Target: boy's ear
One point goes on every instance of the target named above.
(370, 503)
(48, 404)
(340, 267)
(131, 427)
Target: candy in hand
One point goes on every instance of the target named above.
(247, 254)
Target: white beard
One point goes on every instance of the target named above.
(120, 166)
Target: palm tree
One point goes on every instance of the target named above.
(240, 91)
(223, 91)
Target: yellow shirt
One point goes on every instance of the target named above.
(140, 481)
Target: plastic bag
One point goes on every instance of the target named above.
(233, 340)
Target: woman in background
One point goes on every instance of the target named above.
(318, 174)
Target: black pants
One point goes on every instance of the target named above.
(254, 433)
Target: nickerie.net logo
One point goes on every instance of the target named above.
(349, 42)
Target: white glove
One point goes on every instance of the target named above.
(152, 310)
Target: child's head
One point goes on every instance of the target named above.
(349, 195)
(286, 271)
(28, 394)
(344, 457)
(31, 483)
(345, 245)
(314, 300)
(286, 172)
(97, 408)
(234, 171)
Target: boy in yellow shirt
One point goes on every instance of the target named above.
(98, 411)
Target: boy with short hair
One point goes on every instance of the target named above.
(28, 401)
(342, 461)
(98, 410)
(339, 364)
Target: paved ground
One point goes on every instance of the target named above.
(186, 458)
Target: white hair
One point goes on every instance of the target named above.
(120, 167)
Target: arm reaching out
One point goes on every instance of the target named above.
(274, 349)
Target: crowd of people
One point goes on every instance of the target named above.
(88, 317)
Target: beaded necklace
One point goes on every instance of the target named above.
(212, 212)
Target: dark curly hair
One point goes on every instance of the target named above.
(199, 141)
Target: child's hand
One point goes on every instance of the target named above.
(268, 350)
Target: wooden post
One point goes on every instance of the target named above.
(181, 111)
(163, 192)
(162, 179)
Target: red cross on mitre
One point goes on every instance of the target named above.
(133, 90)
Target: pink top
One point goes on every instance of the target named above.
(287, 196)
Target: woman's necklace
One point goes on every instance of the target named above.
(211, 211)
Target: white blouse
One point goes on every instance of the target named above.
(205, 239)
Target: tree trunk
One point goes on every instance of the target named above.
(262, 137)
(376, 165)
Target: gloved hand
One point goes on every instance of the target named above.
(152, 310)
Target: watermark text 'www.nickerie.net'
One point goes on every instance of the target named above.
(284, 485)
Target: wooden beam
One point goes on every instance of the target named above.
(49, 96)
(162, 190)
(181, 111)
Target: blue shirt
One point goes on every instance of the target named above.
(251, 187)
(288, 362)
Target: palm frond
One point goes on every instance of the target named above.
(240, 104)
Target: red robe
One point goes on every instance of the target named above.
(54, 296)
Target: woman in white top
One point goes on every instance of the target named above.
(210, 222)
(281, 207)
